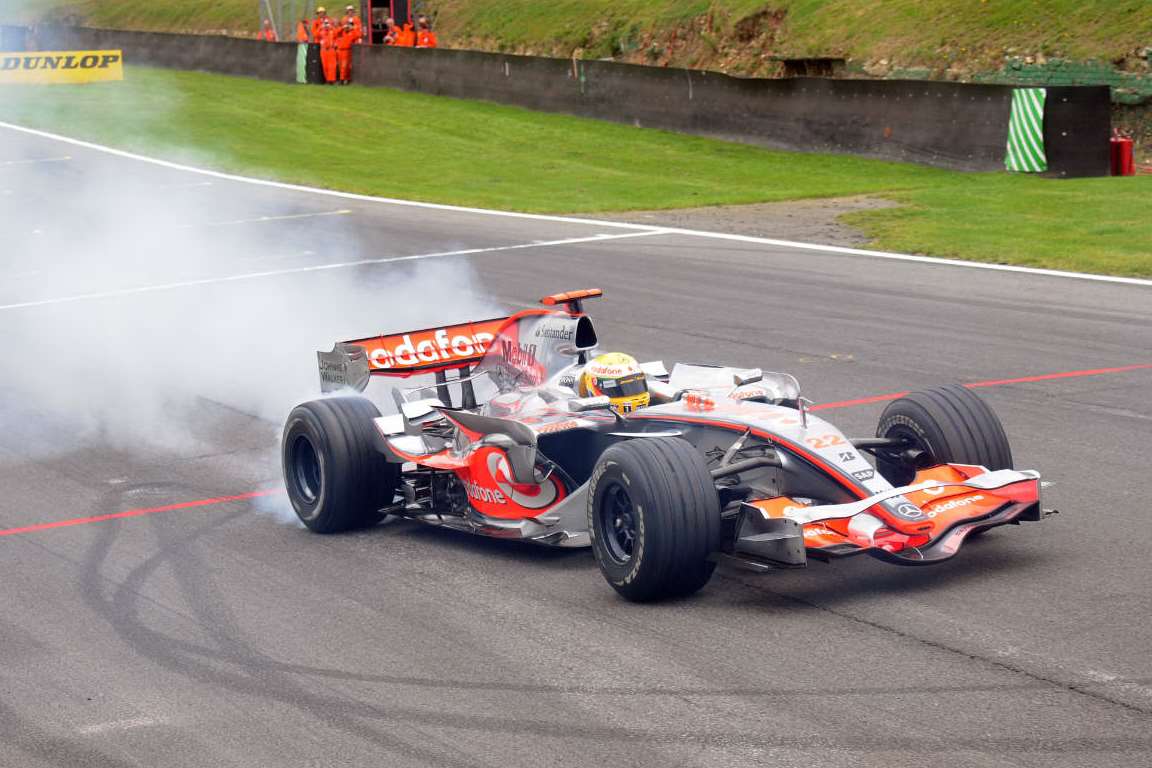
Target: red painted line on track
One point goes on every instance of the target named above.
(820, 407)
(1068, 375)
(135, 512)
(860, 401)
(991, 383)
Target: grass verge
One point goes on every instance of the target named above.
(383, 142)
(923, 32)
(920, 31)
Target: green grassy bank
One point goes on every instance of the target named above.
(900, 30)
(383, 142)
(734, 33)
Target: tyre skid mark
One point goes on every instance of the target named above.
(119, 607)
(1000, 660)
(256, 675)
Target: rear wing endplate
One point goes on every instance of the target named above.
(345, 367)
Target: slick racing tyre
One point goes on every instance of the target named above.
(336, 479)
(654, 518)
(948, 424)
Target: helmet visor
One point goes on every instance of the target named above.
(624, 387)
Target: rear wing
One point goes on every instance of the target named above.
(432, 350)
(351, 364)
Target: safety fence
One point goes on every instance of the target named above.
(951, 125)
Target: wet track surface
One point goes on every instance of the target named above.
(221, 634)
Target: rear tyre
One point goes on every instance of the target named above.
(336, 479)
(654, 518)
(948, 424)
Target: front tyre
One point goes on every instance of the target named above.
(336, 479)
(654, 518)
(942, 425)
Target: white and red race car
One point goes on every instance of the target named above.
(726, 464)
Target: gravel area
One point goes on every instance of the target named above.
(815, 221)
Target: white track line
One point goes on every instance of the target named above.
(262, 219)
(590, 222)
(911, 257)
(36, 161)
(317, 268)
(120, 725)
(185, 185)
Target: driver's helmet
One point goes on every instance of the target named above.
(618, 376)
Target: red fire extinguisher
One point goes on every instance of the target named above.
(1122, 162)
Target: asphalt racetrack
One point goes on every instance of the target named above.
(204, 628)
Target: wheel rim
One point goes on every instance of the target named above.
(618, 523)
(307, 474)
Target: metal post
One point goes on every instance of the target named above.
(467, 393)
(442, 388)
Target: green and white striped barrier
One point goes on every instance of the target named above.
(1026, 132)
(302, 62)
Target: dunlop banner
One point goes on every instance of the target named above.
(61, 66)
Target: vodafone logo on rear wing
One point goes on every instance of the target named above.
(431, 349)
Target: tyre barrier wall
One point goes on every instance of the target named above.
(207, 53)
(951, 125)
(12, 39)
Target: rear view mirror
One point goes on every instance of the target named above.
(750, 376)
(581, 404)
(571, 350)
(654, 369)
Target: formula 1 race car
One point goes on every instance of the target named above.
(726, 464)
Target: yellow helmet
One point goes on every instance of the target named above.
(619, 377)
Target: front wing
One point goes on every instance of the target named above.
(948, 503)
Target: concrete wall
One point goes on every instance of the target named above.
(935, 123)
(951, 125)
